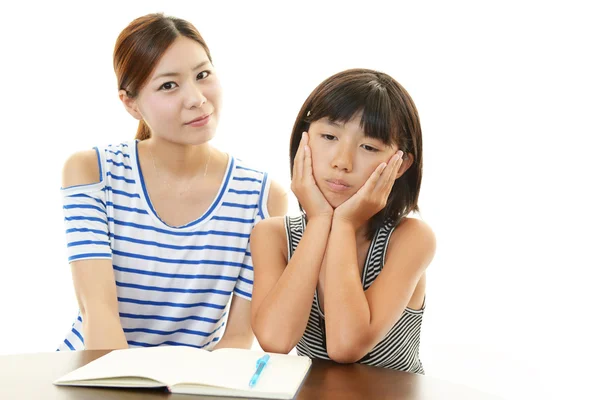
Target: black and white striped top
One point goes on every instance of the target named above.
(399, 349)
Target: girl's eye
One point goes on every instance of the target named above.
(328, 137)
(203, 75)
(370, 148)
(168, 86)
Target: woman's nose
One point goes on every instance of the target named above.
(194, 97)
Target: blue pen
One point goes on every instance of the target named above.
(261, 363)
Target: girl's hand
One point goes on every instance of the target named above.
(303, 184)
(372, 196)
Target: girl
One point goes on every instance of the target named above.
(158, 228)
(346, 280)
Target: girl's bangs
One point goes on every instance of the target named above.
(369, 98)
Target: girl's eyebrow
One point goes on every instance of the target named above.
(166, 74)
(334, 123)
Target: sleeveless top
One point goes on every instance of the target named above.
(174, 284)
(399, 349)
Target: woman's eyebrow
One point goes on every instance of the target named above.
(169, 74)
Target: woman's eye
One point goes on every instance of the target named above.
(203, 75)
(328, 137)
(168, 86)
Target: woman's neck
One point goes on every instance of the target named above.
(177, 160)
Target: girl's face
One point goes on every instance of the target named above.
(343, 158)
(182, 98)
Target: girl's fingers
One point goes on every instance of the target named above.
(384, 176)
(301, 156)
(375, 178)
(389, 174)
(299, 159)
(307, 172)
(400, 161)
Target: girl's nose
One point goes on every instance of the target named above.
(343, 160)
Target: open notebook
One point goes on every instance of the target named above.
(223, 372)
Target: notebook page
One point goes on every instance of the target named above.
(233, 368)
(161, 364)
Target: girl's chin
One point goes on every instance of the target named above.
(336, 201)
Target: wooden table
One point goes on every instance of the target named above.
(30, 376)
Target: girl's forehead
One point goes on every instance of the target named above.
(339, 123)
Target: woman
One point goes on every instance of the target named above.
(158, 228)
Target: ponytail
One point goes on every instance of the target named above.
(143, 131)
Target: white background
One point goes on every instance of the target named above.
(508, 95)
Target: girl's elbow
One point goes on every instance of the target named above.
(279, 348)
(274, 346)
(273, 342)
(343, 356)
(345, 352)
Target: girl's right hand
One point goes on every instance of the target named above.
(304, 186)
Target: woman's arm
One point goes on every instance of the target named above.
(96, 293)
(93, 279)
(238, 332)
(357, 320)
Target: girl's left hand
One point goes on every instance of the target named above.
(372, 196)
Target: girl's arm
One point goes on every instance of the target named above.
(93, 279)
(283, 292)
(357, 320)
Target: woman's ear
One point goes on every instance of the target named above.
(407, 160)
(130, 104)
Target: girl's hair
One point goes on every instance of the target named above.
(388, 114)
(140, 46)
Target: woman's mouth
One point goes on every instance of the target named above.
(200, 121)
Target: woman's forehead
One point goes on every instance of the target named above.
(182, 56)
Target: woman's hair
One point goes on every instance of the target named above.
(140, 46)
(388, 114)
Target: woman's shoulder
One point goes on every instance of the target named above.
(244, 168)
(81, 168)
(273, 196)
(84, 167)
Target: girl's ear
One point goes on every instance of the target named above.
(130, 105)
(407, 160)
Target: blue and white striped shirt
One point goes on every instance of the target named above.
(174, 284)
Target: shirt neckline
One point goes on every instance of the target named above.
(206, 216)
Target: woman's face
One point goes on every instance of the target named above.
(343, 158)
(182, 98)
